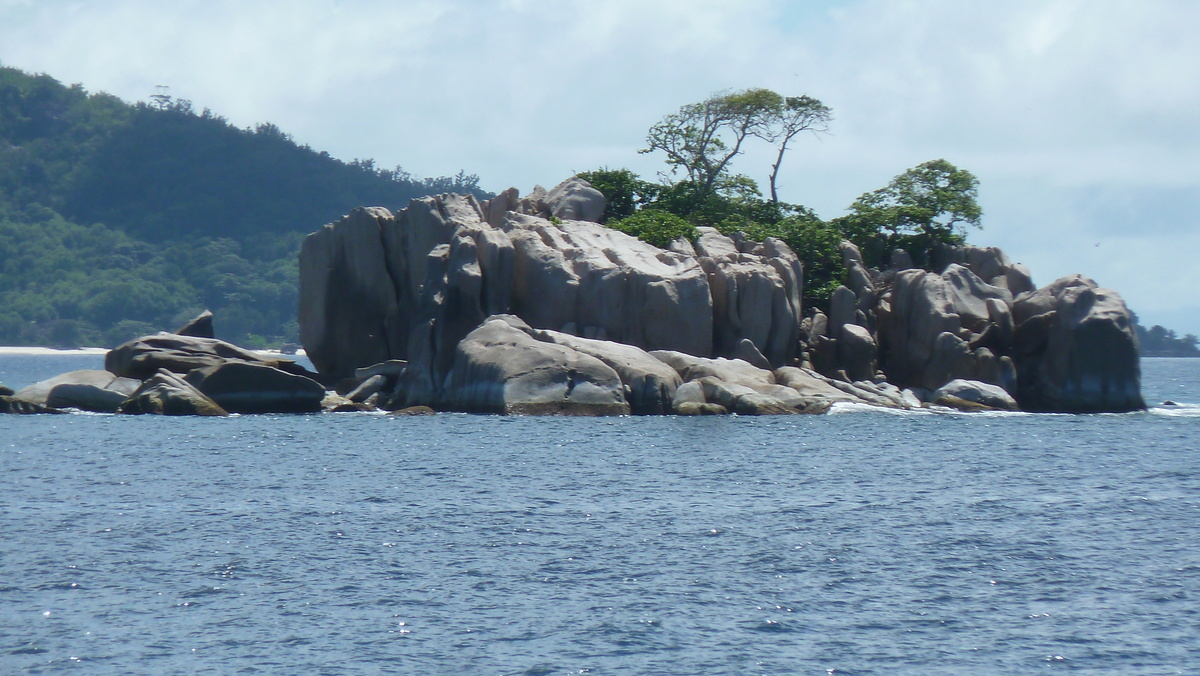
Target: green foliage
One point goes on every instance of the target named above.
(927, 205)
(197, 214)
(1157, 341)
(623, 191)
(702, 139)
(659, 228)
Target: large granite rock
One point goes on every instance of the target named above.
(575, 200)
(756, 289)
(1076, 350)
(41, 392)
(165, 393)
(501, 368)
(145, 356)
(595, 282)
(649, 384)
(239, 387)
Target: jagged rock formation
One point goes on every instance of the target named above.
(533, 272)
(376, 286)
(1067, 347)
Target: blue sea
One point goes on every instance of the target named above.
(860, 542)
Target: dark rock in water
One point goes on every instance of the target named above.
(6, 391)
(289, 348)
(352, 407)
(145, 356)
(1075, 350)
(959, 404)
(693, 408)
(165, 393)
(200, 327)
(500, 368)
(414, 410)
(88, 397)
(239, 387)
(1169, 403)
(9, 404)
(39, 393)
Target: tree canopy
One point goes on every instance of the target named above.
(701, 139)
(927, 205)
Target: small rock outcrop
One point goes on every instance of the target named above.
(165, 393)
(240, 387)
(201, 326)
(975, 392)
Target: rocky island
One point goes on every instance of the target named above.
(528, 305)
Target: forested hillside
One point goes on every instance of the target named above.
(117, 219)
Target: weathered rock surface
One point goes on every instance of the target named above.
(239, 387)
(575, 200)
(608, 285)
(165, 393)
(501, 368)
(6, 391)
(414, 285)
(932, 326)
(755, 290)
(143, 357)
(1076, 350)
(649, 384)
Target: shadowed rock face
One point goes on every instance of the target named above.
(1076, 350)
(239, 387)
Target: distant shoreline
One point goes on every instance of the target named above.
(67, 351)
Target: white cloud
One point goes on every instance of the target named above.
(1078, 116)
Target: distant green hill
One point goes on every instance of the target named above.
(117, 218)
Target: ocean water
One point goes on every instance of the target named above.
(861, 542)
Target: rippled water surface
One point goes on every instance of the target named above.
(858, 542)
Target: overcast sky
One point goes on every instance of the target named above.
(1080, 118)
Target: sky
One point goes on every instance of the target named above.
(1081, 118)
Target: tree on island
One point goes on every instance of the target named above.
(930, 204)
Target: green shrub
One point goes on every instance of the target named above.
(655, 227)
